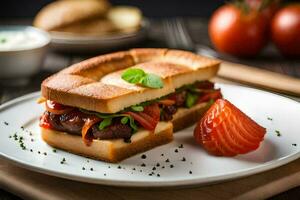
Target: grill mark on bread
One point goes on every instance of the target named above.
(87, 84)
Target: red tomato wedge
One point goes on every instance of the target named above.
(211, 95)
(149, 118)
(57, 108)
(44, 121)
(227, 131)
(167, 102)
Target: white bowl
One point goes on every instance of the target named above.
(20, 60)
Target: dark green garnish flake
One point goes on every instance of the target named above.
(54, 150)
(278, 133)
(294, 144)
(6, 123)
(3, 40)
(270, 119)
(143, 156)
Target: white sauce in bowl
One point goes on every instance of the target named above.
(21, 39)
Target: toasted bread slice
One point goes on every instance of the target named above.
(186, 117)
(63, 13)
(96, 84)
(110, 150)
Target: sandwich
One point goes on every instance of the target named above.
(88, 17)
(116, 105)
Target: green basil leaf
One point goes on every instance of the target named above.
(137, 108)
(105, 123)
(124, 120)
(132, 124)
(152, 81)
(133, 75)
(191, 99)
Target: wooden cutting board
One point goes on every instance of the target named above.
(260, 78)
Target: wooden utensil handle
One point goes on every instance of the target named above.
(260, 77)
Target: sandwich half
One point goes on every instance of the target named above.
(93, 109)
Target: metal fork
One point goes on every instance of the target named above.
(178, 37)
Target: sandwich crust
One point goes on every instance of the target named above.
(96, 84)
(110, 150)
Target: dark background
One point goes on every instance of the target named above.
(151, 8)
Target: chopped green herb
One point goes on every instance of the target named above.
(104, 116)
(105, 123)
(137, 108)
(83, 168)
(138, 76)
(3, 40)
(91, 169)
(54, 150)
(269, 118)
(294, 144)
(278, 133)
(124, 120)
(191, 99)
(6, 123)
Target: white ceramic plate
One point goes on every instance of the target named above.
(76, 43)
(169, 165)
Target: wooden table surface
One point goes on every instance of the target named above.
(269, 59)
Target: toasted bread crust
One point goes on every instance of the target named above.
(86, 84)
(186, 117)
(110, 150)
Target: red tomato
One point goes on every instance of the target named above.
(211, 95)
(286, 30)
(238, 33)
(44, 121)
(268, 11)
(149, 118)
(57, 108)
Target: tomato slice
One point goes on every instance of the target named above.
(57, 108)
(167, 102)
(149, 118)
(211, 95)
(153, 110)
(44, 121)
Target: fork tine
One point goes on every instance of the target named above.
(185, 38)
